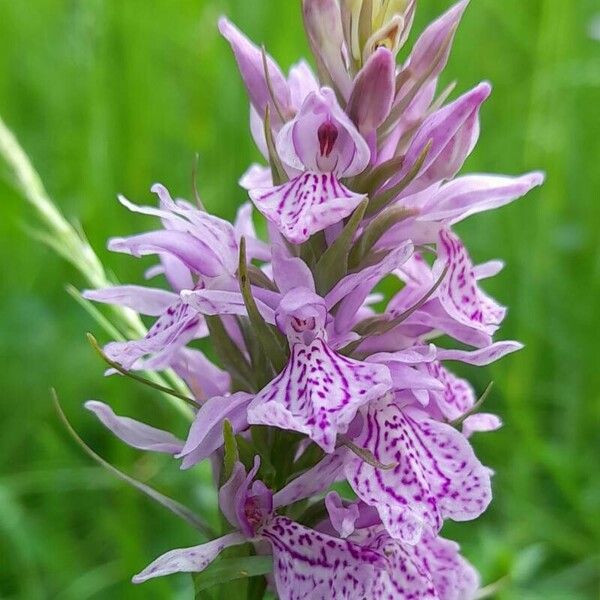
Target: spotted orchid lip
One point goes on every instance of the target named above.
(315, 386)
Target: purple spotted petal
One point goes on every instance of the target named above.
(309, 565)
(481, 422)
(436, 476)
(136, 434)
(177, 326)
(305, 205)
(206, 433)
(318, 393)
(405, 576)
(456, 396)
(189, 560)
(453, 577)
(459, 293)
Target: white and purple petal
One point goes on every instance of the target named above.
(459, 293)
(309, 565)
(305, 205)
(318, 393)
(436, 474)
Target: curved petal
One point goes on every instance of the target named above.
(189, 560)
(311, 482)
(322, 138)
(146, 301)
(481, 357)
(250, 62)
(456, 396)
(177, 326)
(318, 393)
(436, 475)
(206, 433)
(135, 434)
(472, 194)
(481, 422)
(343, 518)
(459, 293)
(306, 204)
(310, 565)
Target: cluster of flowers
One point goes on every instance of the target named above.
(317, 386)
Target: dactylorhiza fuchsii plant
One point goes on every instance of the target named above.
(338, 437)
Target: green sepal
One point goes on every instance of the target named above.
(230, 569)
(386, 219)
(277, 169)
(272, 342)
(371, 181)
(231, 357)
(382, 200)
(333, 264)
(262, 440)
(403, 77)
(231, 453)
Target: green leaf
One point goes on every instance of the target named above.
(231, 454)
(225, 570)
(272, 342)
(277, 170)
(230, 355)
(375, 229)
(175, 507)
(382, 200)
(161, 388)
(333, 265)
(371, 181)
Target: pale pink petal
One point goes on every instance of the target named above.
(342, 517)
(472, 194)
(481, 422)
(189, 560)
(136, 434)
(482, 357)
(311, 482)
(146, 301)
(206, 433)
(250, 62)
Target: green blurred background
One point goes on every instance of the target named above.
(110, 96)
